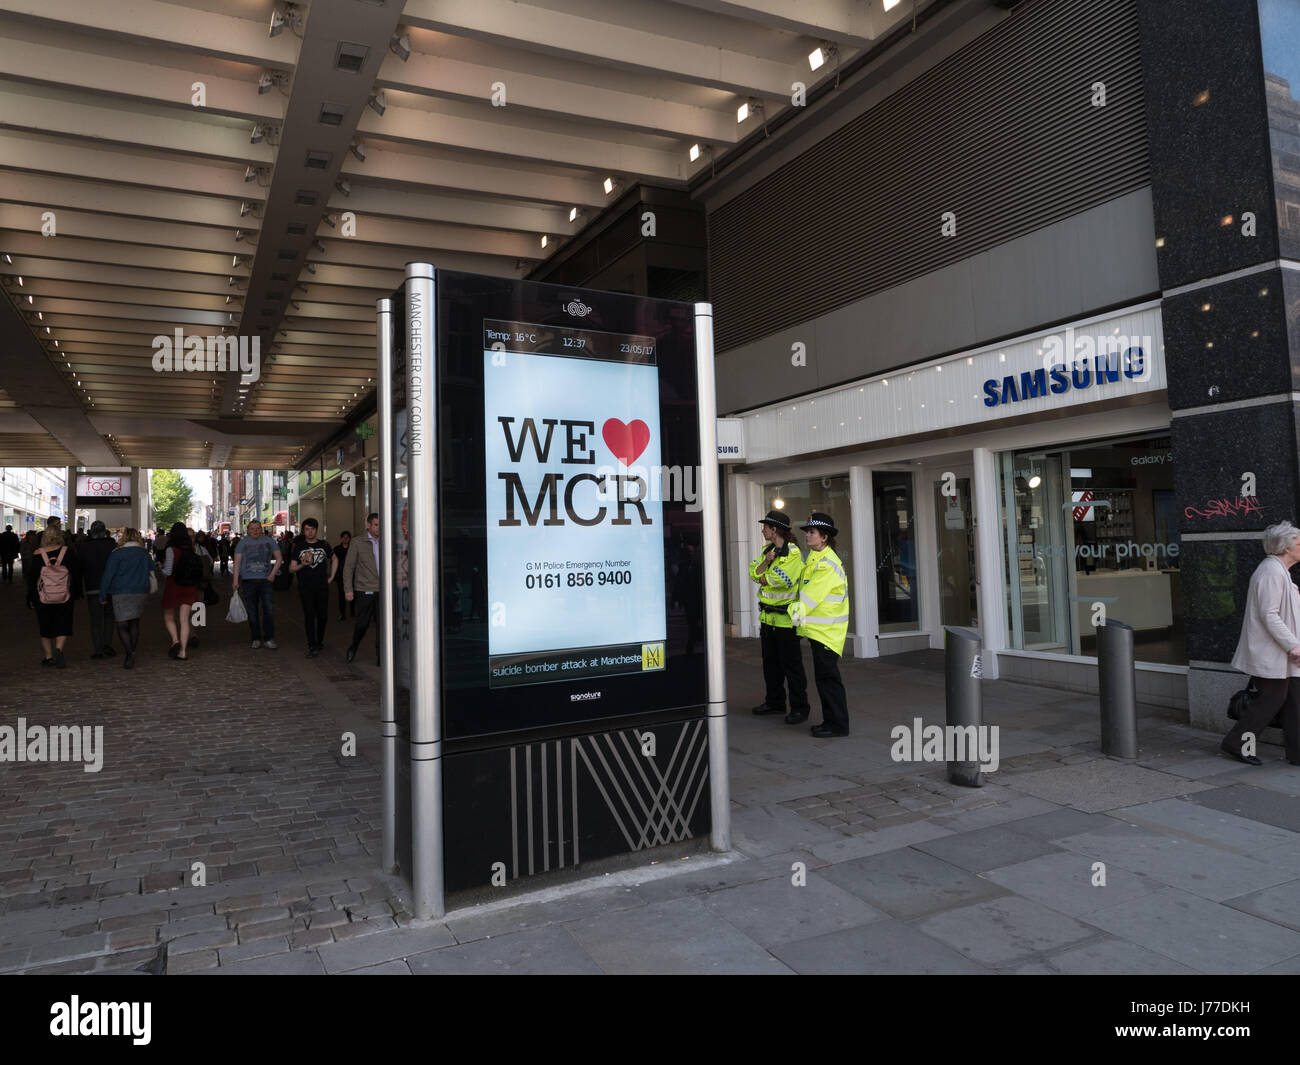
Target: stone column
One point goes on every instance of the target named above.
(1224, 129)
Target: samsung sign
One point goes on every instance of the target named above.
(1055, 379)
(1095, 360)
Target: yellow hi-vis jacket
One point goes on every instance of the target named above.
(782, 587)
(822, 610)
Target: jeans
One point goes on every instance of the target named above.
(101, 621)
(7, 569)
(315, 598)
(255, 593)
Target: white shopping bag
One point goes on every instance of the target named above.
(236, 614)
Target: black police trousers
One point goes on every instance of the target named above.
(782, 665)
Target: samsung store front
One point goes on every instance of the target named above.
(1024, 489)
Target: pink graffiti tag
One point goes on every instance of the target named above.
(1225, 508)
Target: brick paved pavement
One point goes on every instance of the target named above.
(844, 861)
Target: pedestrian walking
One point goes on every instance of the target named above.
(821, 613)
(1269, 649)
(361, 584)
(777, 572)
(223, 552)
(183, 568)
(341, 556)
(94, 554)
(315, 565)
(257, 560)
(53, 583)
(124, 587)
(9, 544)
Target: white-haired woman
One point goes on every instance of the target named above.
(1269, 648)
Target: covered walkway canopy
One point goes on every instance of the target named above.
(264, 169)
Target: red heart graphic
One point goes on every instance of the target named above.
(626, 441)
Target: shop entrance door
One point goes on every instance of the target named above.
(955, 546)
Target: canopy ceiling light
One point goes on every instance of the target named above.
(819, 55)
(752, 106)
(292, 18)
(378, 103)
(359, 150)
(400, 45)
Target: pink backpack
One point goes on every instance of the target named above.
(52, 585)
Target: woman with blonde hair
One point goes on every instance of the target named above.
(1269, 648)
(126, 583)
(53, 582)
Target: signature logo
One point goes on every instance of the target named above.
(577, 308)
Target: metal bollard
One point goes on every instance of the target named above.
(963, 671)
(1118, 686)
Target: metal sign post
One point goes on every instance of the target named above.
(387, 544)
(427, 881)
(710, 500)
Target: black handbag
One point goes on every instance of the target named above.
(1240, 703)
(210, 596)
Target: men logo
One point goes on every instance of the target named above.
(652, 656)
(577, 308)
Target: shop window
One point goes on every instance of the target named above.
(829, 495)
(896, 579)
(1091, 531)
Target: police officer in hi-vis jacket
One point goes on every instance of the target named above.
(822, 614)
(776, 572)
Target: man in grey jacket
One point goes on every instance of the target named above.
(361, 584)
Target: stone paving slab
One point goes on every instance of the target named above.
(1108, 957)
(1095, 787)
(537, 951)
(780, 910)
(910, 883)
(680, 937)
(1004, 930)
(1066, 881)
(1255, 804)
(886, 947)
(986, 848)
(1199, 934)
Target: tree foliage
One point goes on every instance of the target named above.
(173, 498)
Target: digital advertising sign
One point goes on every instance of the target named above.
(568, 547)
(103, 489)
(574, 531)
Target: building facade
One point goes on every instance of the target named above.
(1017, 304)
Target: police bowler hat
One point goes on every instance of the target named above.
(776, 518)
(823, 523)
